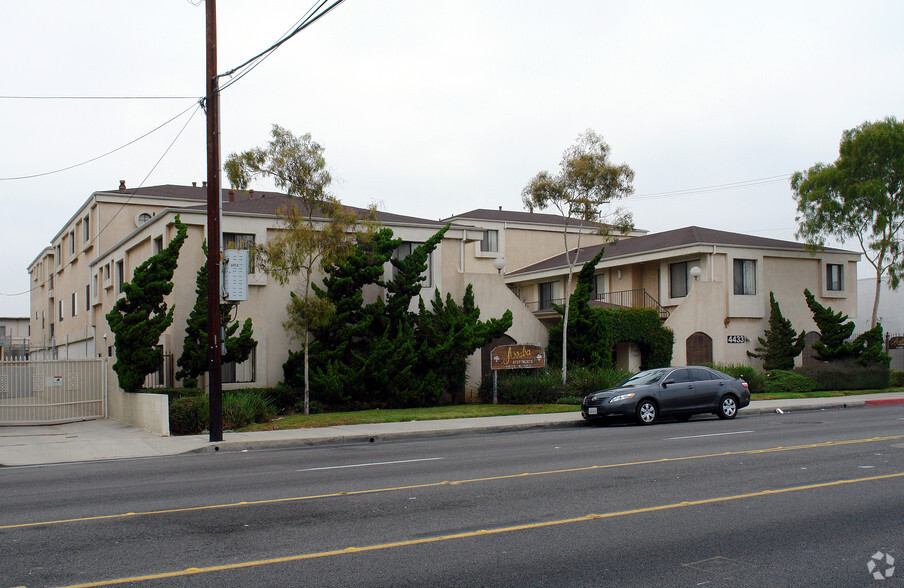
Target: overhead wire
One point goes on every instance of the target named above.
(96, 97)
(132, 192)
(87, 161)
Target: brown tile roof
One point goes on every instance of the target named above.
(257, 202)
(670, 240)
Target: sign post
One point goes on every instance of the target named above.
(515, 357)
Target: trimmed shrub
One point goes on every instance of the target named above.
(755, 379)
(896, 379)
(847, 375)
(783, 381)
(188, 415)
(545, 387)
(175, 393)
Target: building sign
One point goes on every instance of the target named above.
(511, 357)
(738, 339)
(896, 342)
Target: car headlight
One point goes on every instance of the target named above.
(621, 397)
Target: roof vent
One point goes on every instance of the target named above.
(204, 184)
(500, 209)
(194, 184)
(122, 184)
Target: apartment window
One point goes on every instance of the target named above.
(107, 272)
(239, 372)
(490, 241)
(158, 245)
(75, 304)
(58, 255)
(678, 279)
(745, 276)
(72, 242)
(403, 251)
(88, 297)
(86, 229)
(598, 291)
(96, 291)
(61, 309)
(834, 277)
(546, 292)
(120, 269)
(241, 241)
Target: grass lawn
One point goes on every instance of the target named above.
(822, 394)
(461, 411)
(457, 411)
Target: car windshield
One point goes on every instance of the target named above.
(643, 378)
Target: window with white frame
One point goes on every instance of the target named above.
(490, 241)
(403, 251)
(71, 242)
(62, 310)
(745, 276)
(120, 277)
(834, 277)
(86, 229)
(75, 304)
(598, 290)
(239, 372)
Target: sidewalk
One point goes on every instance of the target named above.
(109, 439)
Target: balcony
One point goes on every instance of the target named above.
(638, 298)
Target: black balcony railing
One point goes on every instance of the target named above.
(638, 298)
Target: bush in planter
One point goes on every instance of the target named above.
(188, 415)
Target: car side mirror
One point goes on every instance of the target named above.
(667, 382)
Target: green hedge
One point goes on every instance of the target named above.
(847, 375)
(189, 414)
(896, 379)
(545, 386)
(783, 381)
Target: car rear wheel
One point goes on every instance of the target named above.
(728, 407)
(646, 412)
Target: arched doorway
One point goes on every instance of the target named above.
(808, 356)
(699, 349)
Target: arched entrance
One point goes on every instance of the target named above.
(699, 349)
(808, 356)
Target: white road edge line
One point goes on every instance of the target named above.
(708, 435)
(364, 465)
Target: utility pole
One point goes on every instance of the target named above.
(214, 201)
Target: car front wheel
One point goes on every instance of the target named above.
(728, 407)
(646, 412)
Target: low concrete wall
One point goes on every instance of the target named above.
(147, 411)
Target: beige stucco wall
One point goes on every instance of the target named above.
(147, 411)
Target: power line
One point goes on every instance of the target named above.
(122, 206)
(308, 20)
(56, 171)
(714, 188)
(97, 97)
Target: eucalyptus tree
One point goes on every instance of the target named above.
(582, 192)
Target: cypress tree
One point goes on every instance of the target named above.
(194, 359)
(139, 318)
(833, 331)
(780, 346)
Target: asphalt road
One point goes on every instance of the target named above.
(796, 499)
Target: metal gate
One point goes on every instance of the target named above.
(52, 392)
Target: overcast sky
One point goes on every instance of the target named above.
(433, 108)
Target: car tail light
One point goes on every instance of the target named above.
(743, 383)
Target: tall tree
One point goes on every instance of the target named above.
(194, 361)
(780, 346)
(834, 331)
(582, 193)
(315, 226)
(140, 317)
(860, 196)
